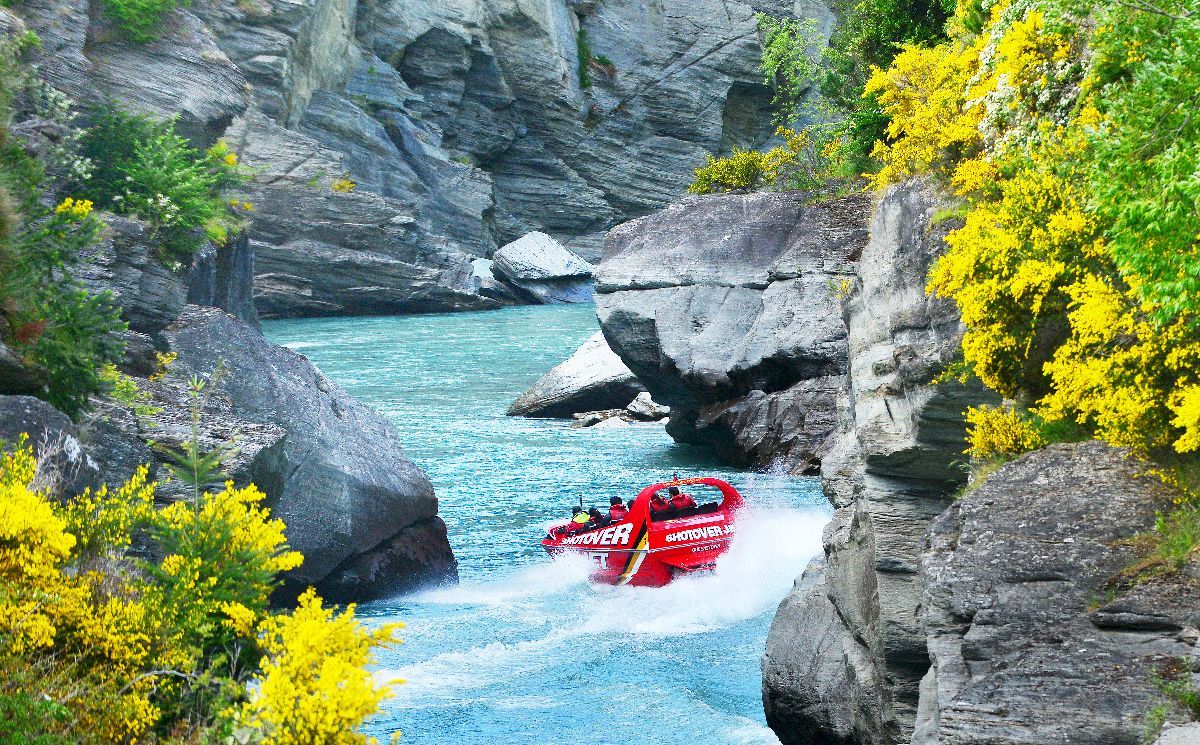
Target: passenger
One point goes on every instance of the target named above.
(598, 519)
(658, 504)
(616, 510)
(679, 500)
(579, 520)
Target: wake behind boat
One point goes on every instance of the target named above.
(663, 533)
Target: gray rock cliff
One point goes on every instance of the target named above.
(725, 308)
(889, 472)
(1030, 640)
(395, 141)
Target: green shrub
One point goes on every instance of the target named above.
(141, 20)
(585, 58)
(27, 720)
(143, 168)
(789, 60)
(47, 317)
(869, 34)
(1179, 534)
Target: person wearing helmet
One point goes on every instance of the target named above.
(616, 510)
(679, 500)
(597, 519)
(579, 520)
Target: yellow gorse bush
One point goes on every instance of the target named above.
(1000, 432)
(132, 651)
(74, 209)
(1019, 120)
(314, 687)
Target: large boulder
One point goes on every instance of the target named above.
(1032, 640)
(65, 467)
(341, 480)
(794, 679)
(592, 379)
(540, 267)
(725, 307)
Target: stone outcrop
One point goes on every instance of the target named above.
(592, 379)
(339, 478)
(223, 277)
(124, 263)
(1031, 639)
(726, 308)
(324, 251)
(541, 268)
(65, 466)
(395, 141)
(803, 667)
(891, 470)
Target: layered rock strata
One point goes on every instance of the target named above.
(393, 142)
(1033, 638)
(892, 468)
(726, 308)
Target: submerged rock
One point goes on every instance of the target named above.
(725, 308)
(592, 379)
(1030, 641)
(645, 409)
(540, 267)
(341, 480)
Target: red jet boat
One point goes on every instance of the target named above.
(649, 549)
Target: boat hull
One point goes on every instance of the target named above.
(650, 549)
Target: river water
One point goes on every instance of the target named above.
(524, 650)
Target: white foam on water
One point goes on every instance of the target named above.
(552, 577)
(769, 550)
(296, 346)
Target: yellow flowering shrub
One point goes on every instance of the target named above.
(104, 521)
(74, 209)
(1069, 311)
(314, 688)
(803, 161)
(101, 648)
(1000, 432)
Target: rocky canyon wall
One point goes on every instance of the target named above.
(394, 141)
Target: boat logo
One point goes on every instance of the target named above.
(616, 535)
(696, 534)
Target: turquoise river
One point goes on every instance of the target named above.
(524, 650)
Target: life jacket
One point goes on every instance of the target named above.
(681, 500)
(617, 512)
(658, 504)
(577, 524)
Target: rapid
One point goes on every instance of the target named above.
(524, 650)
